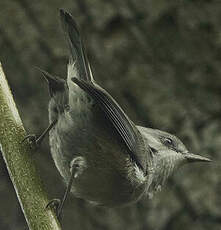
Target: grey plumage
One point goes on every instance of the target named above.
(119, 161)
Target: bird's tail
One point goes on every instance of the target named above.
(55, 84)
(78, 65)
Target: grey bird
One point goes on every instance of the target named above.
(102, 155)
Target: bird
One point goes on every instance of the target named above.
(101, 154)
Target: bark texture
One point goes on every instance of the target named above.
(20, 164)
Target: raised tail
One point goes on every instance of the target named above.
(55, 84)
(78, 66)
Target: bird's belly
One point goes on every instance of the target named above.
(106, 188)
(106, 180)
(102, 182)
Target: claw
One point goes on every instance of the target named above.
(33, 140)
(36, 141)
(55, 204)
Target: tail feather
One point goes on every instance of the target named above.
(55, 84)
(78, 66)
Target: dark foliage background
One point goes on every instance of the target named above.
(161, 61)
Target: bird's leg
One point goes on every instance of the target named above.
(36, 141)
(77, 166)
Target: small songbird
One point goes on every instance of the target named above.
(101, 154)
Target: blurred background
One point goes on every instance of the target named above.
(161, 60)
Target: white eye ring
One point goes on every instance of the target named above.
(168, 141)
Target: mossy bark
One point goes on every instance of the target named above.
(20, 164)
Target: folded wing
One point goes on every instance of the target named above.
(124, 126)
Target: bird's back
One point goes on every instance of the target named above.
(83, 130)
(93, 126)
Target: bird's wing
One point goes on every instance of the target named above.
(124, 126)
(78, 65)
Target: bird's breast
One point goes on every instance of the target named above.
(111, 178)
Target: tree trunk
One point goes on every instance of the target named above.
(20, 164)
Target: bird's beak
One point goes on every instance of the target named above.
(196, 158)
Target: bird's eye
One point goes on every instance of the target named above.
(168, 141)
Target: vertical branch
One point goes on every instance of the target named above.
(20, 164)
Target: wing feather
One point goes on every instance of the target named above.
(123, 125)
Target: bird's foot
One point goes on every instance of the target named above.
(55, 204)
(33, 140)
(77, 166)
(36, 141)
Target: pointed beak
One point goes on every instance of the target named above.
(196, 158)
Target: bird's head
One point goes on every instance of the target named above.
(167, 153)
